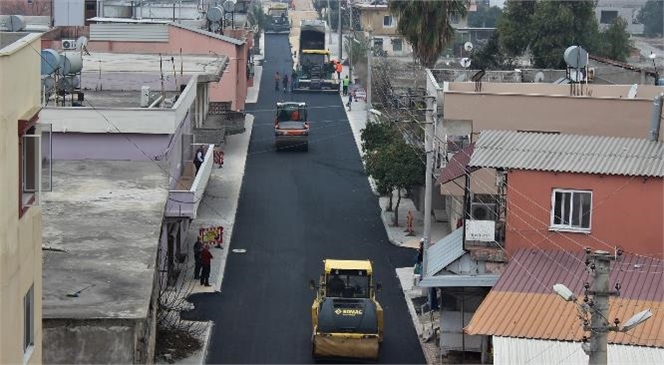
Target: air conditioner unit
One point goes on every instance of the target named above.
(68, 44)
(483, 211)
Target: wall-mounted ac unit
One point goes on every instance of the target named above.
(483, 211)
(68, 44)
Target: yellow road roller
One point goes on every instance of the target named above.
(347, 319)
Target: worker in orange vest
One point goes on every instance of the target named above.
(339, 67)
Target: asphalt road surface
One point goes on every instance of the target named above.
(295, 209)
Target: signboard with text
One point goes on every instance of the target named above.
(484, 231)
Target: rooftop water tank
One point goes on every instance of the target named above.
(72, 62)
(50, 61)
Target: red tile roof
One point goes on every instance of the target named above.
(523, 304)
(457, 165)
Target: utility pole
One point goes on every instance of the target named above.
(428, 178)
(600, 264)
(339, 29)
(329, 20)
(350, 42)
(369, 57)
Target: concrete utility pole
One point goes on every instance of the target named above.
(428, 178)
(369, 57)
(351, 42)
(329, 20)
(341, 35)
(599, 327)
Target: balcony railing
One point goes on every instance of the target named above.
(184, 199)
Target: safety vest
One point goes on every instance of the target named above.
(339, 67)
(346, 81)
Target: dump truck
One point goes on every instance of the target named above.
(315, 71)
(347, 319)
(291, 126)
(277, 19)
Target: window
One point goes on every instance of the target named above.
(34, 146)
(29, 319)
(571, 210)
(608, 16)
(455, 19)
(388, 21)
(397, 44)
(378, 44)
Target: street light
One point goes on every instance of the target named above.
(636, 320)
(564, 292)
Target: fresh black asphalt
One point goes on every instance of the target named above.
(295, 209)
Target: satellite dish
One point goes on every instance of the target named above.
(465, 62)
(632, 91)
(81, 43)
(576, 57)
(215, 14)
(468, 46)
(229, 5)
(539, 77)
(214, 26)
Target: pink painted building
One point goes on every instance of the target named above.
(116, 35)
(567, 192)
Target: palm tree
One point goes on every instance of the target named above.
(426, 25)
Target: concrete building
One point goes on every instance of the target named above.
(607, 11)
(125, 192)
(383, 25)
(527, 322)
(120, 35)
(567, 192)
(20, 196)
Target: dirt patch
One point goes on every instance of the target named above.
(175, 344)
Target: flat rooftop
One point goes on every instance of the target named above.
(106, 216)
(137, 63)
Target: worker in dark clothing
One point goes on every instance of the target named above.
(285, 82)
(294, 80)
(277, 80)
(198, 248)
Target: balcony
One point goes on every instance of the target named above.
(184, 199)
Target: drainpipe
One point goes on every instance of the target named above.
(656, 118)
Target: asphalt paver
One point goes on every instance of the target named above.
(297, 208)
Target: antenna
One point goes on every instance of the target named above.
(468, 46)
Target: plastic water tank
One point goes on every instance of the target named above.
(50, 61)
(72, 62)
(215, 14)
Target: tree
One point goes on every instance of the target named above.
(559, 24)
(377, 134)
(404, 168)
(484, 17)
(652, 17)
(615, 43)
(258, 20)
(514, 26)
(490, 56)
(426, 26)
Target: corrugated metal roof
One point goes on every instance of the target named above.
(522, 303)
(456, 167)
(569, 153)
(444, 252)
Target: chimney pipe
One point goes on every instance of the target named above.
(656, 118)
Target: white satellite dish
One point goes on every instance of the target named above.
(539, 77)
(81, 43)
(468, 46)
(465, 62)
(229, 5)
(632, 91)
